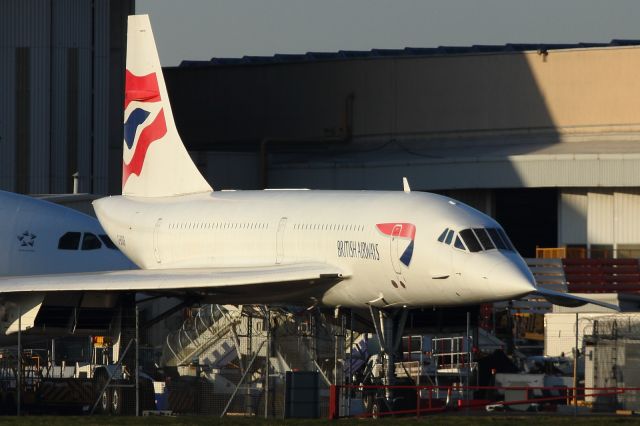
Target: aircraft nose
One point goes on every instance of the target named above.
(511, 280)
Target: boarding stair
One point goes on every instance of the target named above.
(291, 342)
(358, 355)
(199, 332)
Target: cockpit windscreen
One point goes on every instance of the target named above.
(477, 239)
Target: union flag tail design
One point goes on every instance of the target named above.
(155, 162)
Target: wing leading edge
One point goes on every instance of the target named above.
(262, 284)
(570, 300)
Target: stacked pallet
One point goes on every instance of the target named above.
(602, 275)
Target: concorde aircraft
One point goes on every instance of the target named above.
(39, 237)
(384, 252)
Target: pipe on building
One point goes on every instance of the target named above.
(348, 136)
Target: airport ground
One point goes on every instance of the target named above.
(440, 420)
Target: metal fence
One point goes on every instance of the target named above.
(612, 358)
(259, 361)
(369, 401)
(223, 360)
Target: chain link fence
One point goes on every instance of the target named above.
(257, 361)
(221, 360)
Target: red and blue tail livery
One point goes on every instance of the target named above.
(404, 231)
(145, 122)
(152, 169)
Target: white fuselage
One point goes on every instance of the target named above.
(340, 228)
(40, 237)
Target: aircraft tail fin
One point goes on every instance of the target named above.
(155, 162)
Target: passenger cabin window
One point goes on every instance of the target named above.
(69, 241)
(90, 242)
(443, 235)
(482, 235)
(470, 240)
(107, 242)
(458, 244)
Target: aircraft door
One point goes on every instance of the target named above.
(394, 250)
(444, 267)
(280, 240)
(156, 238)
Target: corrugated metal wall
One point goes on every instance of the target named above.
(600, 217)
(595, 216)
(572, 216)
(626, 207)
(101, 83)
(57, 60)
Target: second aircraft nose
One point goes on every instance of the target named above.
(511, 280)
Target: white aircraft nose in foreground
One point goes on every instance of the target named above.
(40, 237)
(360, 249)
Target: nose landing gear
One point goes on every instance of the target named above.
(389, 325)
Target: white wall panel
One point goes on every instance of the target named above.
(627, 216)
(560, 331)
(572, 217)
(600, 219)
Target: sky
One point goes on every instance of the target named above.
(202, 29)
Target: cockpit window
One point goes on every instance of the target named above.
(449, 237)
(497, 239)
(458, 243)
(444, 233)
(482, 235)
(107, 242)
(90, 242)
(470, 240)
(506, 239)
(69, 241)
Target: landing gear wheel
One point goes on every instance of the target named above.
(104, 399)
(105, 402)
(367, 401)
(376, 409)
(116, 401)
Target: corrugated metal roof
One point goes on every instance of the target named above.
(279, 58)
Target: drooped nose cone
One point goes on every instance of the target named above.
(511, 280)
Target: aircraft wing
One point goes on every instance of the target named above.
(260, 283)
(570, 300)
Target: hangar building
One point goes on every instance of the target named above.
(61, 80)
(543, 137)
